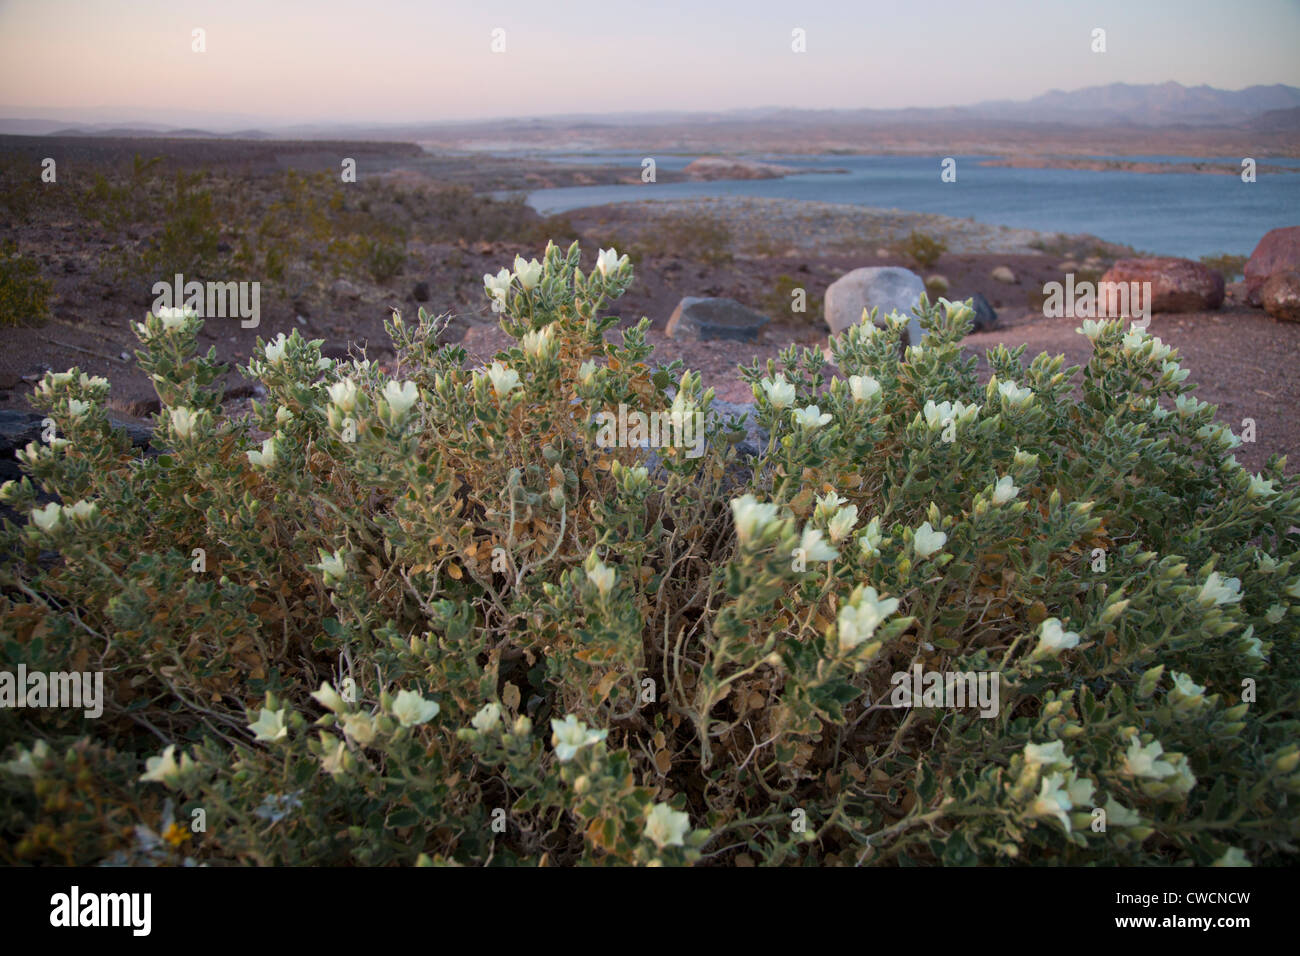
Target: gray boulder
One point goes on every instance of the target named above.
(887, 288)
(710, 318)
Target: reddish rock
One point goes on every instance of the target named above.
(1280, 295)
(1177, 285)
(1278, 251)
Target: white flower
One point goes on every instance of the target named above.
(827, 506)
(165, 769)
(360, 727)
(608, 260)
(173, 318)
(343, 394)
(333, 567)
(869, 540)
(1216, 591)
(1145, 761)
(400, 398)
(586, 372)
(487, 718)
(915, 353)
(269, 725)
(666, 826)
(779, 392)
(1052, 638)
(936, 416)
(859, 618)
(82, 509)
(183, 421)
(1025, 459)
(1261, 487)
(1134, 340)
(1015, 396)
(1004, 491)
(1275, 614)
(48, 517)
(274, 350)
(811, 417)
(497, 286)
(814, 548)
(1187, 406)
(1092, 329)
(600, 574)
(1050, 755)
(411, 708)
(842, 524)
(1293, 589)
(283, 416)
(503, 379)
(1120, 815)
(1079, 788)
(1232, 856)
(328, 697)
(863, 388)
(1187, 690)
(332, 753)
(539, 343)
(926, 541)
(752, 517)
(24, 765)
(77, 408)
(1053, 800)
(92, 381)
(528, 273)
(265, 458)
(570, 735)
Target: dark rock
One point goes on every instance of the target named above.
(421, 292)
(755, 441)
(713, 318)
(1278, 251)
(1280, 295)
(1177, 285)
(18, 428)
(69, 265)
(985, 317)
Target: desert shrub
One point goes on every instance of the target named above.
(779, 302)
(24, 293)
(427, 614)
(922, 249)
(1230, 266)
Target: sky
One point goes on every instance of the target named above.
(377, 61)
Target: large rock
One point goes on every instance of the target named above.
(887, 288)
(706, 318)
(18, 428)
(1278, 251)
(1177, 285)
(1280, 295)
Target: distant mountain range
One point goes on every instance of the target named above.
(1273, 108)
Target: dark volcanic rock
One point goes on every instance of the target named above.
(714, 319)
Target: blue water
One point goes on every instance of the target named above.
(1179, 214)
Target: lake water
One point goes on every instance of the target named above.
(1179, 214)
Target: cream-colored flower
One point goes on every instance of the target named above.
(779, 392)
(165, 769)
(1051, 755)
(360, 727)
(267, 457)
(183, 420)
(343, 394)
(329, 698)
(600, 574)
(870, 538)
(814, 548)
(863, 388)
(540, 343)
(1144, 761)
(1053, 638)
(926, 541)
(751, 517)
(841, 526)
(570, 735)
(666, 826)
(48, 517)
(608, 260)
(528, 273)
(274, 350)
(498, 286)
(412, 709)
(811, 417)
(1005, 490)
(1092, 329)
(487, 718)
(401, 398)
(1015, 396)
(1218, 590)
(77, 408)
(859, 618)
(269, 726)
(503, 379)
(1260, 487)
